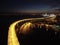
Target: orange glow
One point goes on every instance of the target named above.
(25, 27)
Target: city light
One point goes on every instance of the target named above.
(25, 28)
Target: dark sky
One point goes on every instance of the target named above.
(23, 5)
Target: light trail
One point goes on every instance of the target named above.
(25, 27)
(12, 37)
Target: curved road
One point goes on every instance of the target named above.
(12, 38)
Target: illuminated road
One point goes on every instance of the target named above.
(12, 37)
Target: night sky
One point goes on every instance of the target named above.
(29, 5)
